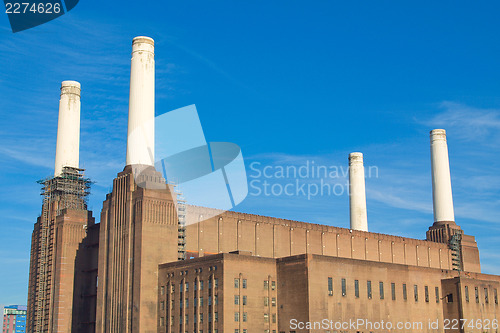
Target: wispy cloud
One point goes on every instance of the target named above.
(468, 123)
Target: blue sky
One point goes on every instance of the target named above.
(289, 82)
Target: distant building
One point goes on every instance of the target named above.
(14, 319)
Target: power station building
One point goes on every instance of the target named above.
(142, 270)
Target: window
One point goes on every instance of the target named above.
(162, 321)
(415, 292)
(195, 303)
(244, 284)
(187, 286)
(330, 286)
(209, 300)
(381, 289)
(486, 300)
(187, 303)
(201, 300)
(356, 288)
(274, 318)
(236, 330)
(236, 299)
(477, 294)
(162, 305)
(437, 294)
(266, 301)
(393, 291)
(273, 301)
(162, 289)
(244, 300)
(187, 319)
(216, 283)
(216, 316)
(405, 296)
(495, 294)
(181, 287)
(244, 316)
(209, 284)
(344, 287)
(236, 316)
(216, 299)
(236, 283)
(266, 317)
(467, 294)
(369, 289)
(195, 284)
(273, 285)
(201, 284)
(245, 330)
(426, 288)
(266, 284)
(201, 318)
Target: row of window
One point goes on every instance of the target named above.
(381, 289)
(197, 302)
(244, 300)
(244, 284)
(197, 271)
(245, 317)
(485, 293)
(197, 285)
(197, 318)
(404, 291)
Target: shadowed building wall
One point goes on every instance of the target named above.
(138, 231)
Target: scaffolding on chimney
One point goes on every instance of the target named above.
(181, 221)
(454, 244)
(69, 190)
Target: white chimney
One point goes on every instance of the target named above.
(68, 129)
(141, 114)
(441, 180)
(357, 195)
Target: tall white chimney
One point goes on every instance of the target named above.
(141, 113)
(357, 195)
(441, 180)
(68, 128)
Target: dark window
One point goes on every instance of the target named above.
(393, 291)
(344, 287)
(486, 300)
(330, 286)
(273, 301)
(356, 288)
(381, 289)
(415, 291)
(467, 294)
(266, 284)
(426, 288)
(437, 294)
(369, 289)
(477, 294)
(244, 316)
(405, 296)
(273, 285)
(236, 283)
(495, 294)
(236, 316)
(236, 299)
(244, 284)
(244, 300)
